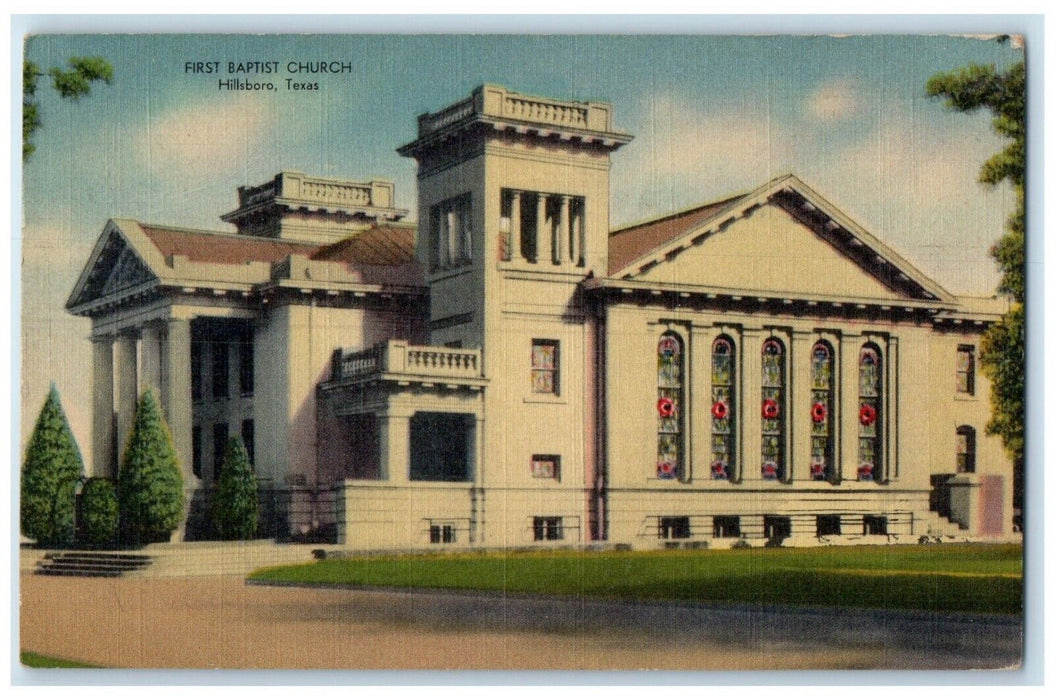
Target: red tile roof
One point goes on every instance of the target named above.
(377, 245)
(224, 248)
(628, 244)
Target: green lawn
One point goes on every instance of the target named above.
(957, 577)
(32, 660)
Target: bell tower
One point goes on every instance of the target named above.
(512, 189)
(513, 216)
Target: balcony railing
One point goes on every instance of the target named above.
(399, 357)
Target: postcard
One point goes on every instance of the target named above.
(504, 352)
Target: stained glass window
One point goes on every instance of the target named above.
(545, 367)
(669, 363)
(773, 412)
(822, 413)
(723, 415)
(870, 388)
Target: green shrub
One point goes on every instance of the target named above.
(49, 477)
(234, 505)
(99, 514)
(149, 483)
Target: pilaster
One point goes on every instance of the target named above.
(514, 226)
(750, 405)
(849, 405)
(799, 423)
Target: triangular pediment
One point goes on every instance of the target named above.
(114, 269)
(782, 239)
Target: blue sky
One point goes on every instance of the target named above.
(711, 116)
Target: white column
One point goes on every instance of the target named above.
(103, 407)
(150, 351)
(394, 438)
(544, 236)
(127, 389)
(176, 400)
(514, 226)
(177, 404)
(576, 237)
(564, 234)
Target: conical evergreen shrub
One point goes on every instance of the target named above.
(149, 483)
(234, 506)
(50, 474)
(98, 514)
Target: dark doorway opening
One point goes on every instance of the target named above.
(441, 446)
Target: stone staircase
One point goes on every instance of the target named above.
(91, 564)
(223, 558)
(168, 560)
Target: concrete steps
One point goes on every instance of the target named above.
(91, 564)
(223, 558)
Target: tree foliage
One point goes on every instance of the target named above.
(98, 513)
(50, 473)
(234, 506)
(149, 483)
(71, 84)
(1003, 347)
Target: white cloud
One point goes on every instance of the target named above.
(205, 137)
(833, 101)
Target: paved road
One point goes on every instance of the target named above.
(218, 622)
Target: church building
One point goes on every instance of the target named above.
(513, 371)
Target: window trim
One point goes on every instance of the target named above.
(969, 373)
(554, 370)
(541, 458)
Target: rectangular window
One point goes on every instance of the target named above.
(220, 370)
(219, 443)
(545, 467)
(776, 527)
(548, 528)
(828, 525)
(726, 526)
(965, 369)
(965, 449)
(450, 224)
(875, 525)
(245, 366)
(247, 438)
(196, 450)
(443, 533)
(545, 367)
(674, 528)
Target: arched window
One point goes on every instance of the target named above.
(669, 363)
(870, 414)
(822, 412)
(773, 409)
(965, 448)
(723, 409)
